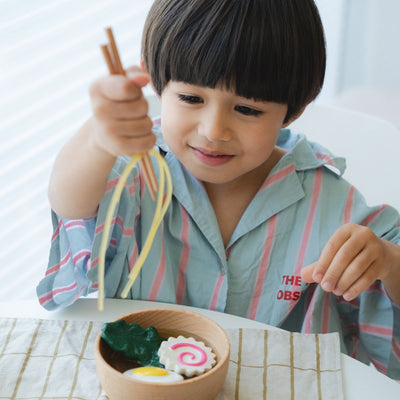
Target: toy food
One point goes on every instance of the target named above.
(133, 341)
(153, 374)
(186, 356)
(111, 364)
(179, 355)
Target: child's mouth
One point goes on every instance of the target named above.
(212, 158)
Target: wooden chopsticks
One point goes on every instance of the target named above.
(114, 65)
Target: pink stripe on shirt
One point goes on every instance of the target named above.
(118, 220)
(217, 289)
(349, 205)
(307, 325)
(372, 216)
(78, 294)
(111, 184)
(100, 228)
(307, 232)
(57, 231)
(47, 297)
(279, 175)
(326, 313)
(81, 255)
(377, 287)
(181, 284)
(377, 330)
(159, 275)
(131, 187)
(56, 267)
(135, 251)
(379, 366)
(396, 348)
(65, 289)
(325, 157)
(74, 224)
(94, 263)
(257, 293)
(309, 220)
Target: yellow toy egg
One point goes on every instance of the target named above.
(153, 374)
(150, 371)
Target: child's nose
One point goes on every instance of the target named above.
(215, 127)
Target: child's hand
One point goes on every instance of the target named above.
(351, 261)
(121, 123)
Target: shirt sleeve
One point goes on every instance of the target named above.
(369, 325)
(372, 320)
(371, 329)
(65, 278)
(74, 252)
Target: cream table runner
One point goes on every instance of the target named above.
(54, 359)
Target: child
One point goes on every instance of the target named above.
(261, 224)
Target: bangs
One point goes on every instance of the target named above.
(232, 53)
(259, 49)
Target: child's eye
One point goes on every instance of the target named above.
(188, 98)
(248, 111)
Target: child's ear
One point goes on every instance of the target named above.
(294, 117)
(143, 66)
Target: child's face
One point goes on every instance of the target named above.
(220, 137)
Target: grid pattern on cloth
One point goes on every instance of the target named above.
(283, 365)
(48, 359)
(54, 359)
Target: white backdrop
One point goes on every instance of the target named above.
(363, 57)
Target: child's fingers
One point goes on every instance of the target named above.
(361, 284)
(307, 273)
(128, 147)
(344, 251)
(355, 270)
(136, 75)
(350, 262)
(115, 87)
(130, 128)
(105, 109)
(120, 111)
(328, 254)
(127, 144)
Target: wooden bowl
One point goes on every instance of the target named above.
(168, 322)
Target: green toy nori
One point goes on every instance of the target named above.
(133, 341)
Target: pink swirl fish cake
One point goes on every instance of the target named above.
(186, 356)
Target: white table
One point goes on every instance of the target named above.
(360, 382)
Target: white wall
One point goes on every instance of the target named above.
(362, 42)
(363, 74)
(371, 48)
(332, 18)
(363, 56)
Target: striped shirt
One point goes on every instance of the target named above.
(257, 275)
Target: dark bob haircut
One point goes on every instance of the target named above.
(270, 50)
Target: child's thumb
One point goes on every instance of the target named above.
(138, 76)
(307, 273)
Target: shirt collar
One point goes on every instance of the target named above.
(309, 155)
